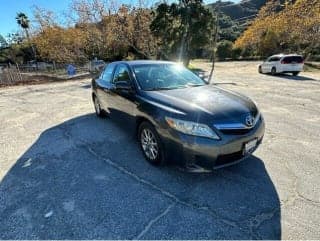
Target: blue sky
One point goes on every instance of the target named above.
(9, 9)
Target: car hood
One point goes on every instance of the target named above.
(217, 104)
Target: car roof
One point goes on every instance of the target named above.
(142, 62)
(285, 55)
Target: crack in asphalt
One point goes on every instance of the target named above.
(259, 219)
(154, 220)
(296, 194)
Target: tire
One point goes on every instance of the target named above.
(260, 70)
(150, 144)
(97, 107)
(295, 73)
(273, 71)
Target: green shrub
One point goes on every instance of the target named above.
(224, 49)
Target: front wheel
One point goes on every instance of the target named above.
(260, 69)
(273, 71)
(150, 144)
(97, 107)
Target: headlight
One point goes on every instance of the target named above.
(192, 128)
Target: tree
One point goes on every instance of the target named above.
(129, 29)
(224, 49)
(107, 35)
(24, 23)
(228, 29)
(269, 43)
(182, 28)
(61, 44)
(236, 52)
(44, 18)
(112, 32)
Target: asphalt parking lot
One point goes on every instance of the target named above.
(65, 174)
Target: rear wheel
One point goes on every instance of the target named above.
(273, 71)
(97, 107)
(150, 143)
(295, 73)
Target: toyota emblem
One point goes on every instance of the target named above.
(249, 120)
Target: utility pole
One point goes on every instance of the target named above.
(214, 44)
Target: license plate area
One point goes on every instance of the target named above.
(250, 146)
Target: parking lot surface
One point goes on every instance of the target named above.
(66, 174)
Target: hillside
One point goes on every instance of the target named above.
(246, 8)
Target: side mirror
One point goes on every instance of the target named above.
(123, 85)
(206, 80)
(204, 77)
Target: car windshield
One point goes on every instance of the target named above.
(165, 76)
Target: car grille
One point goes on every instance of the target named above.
(239, 131)
(235, 131)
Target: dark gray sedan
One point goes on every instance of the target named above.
(177, 115)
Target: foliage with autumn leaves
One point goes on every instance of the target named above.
(111, 37)
(168, 31)
(292, 26)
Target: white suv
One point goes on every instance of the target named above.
(281, 63)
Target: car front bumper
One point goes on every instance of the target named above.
(207, 152)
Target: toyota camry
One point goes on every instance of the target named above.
(178, 116)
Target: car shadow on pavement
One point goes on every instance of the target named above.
(298, 77)
(86, 179)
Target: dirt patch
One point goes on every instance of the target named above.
(34, 79)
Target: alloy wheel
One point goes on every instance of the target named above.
(97, 107)
(149, 144)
